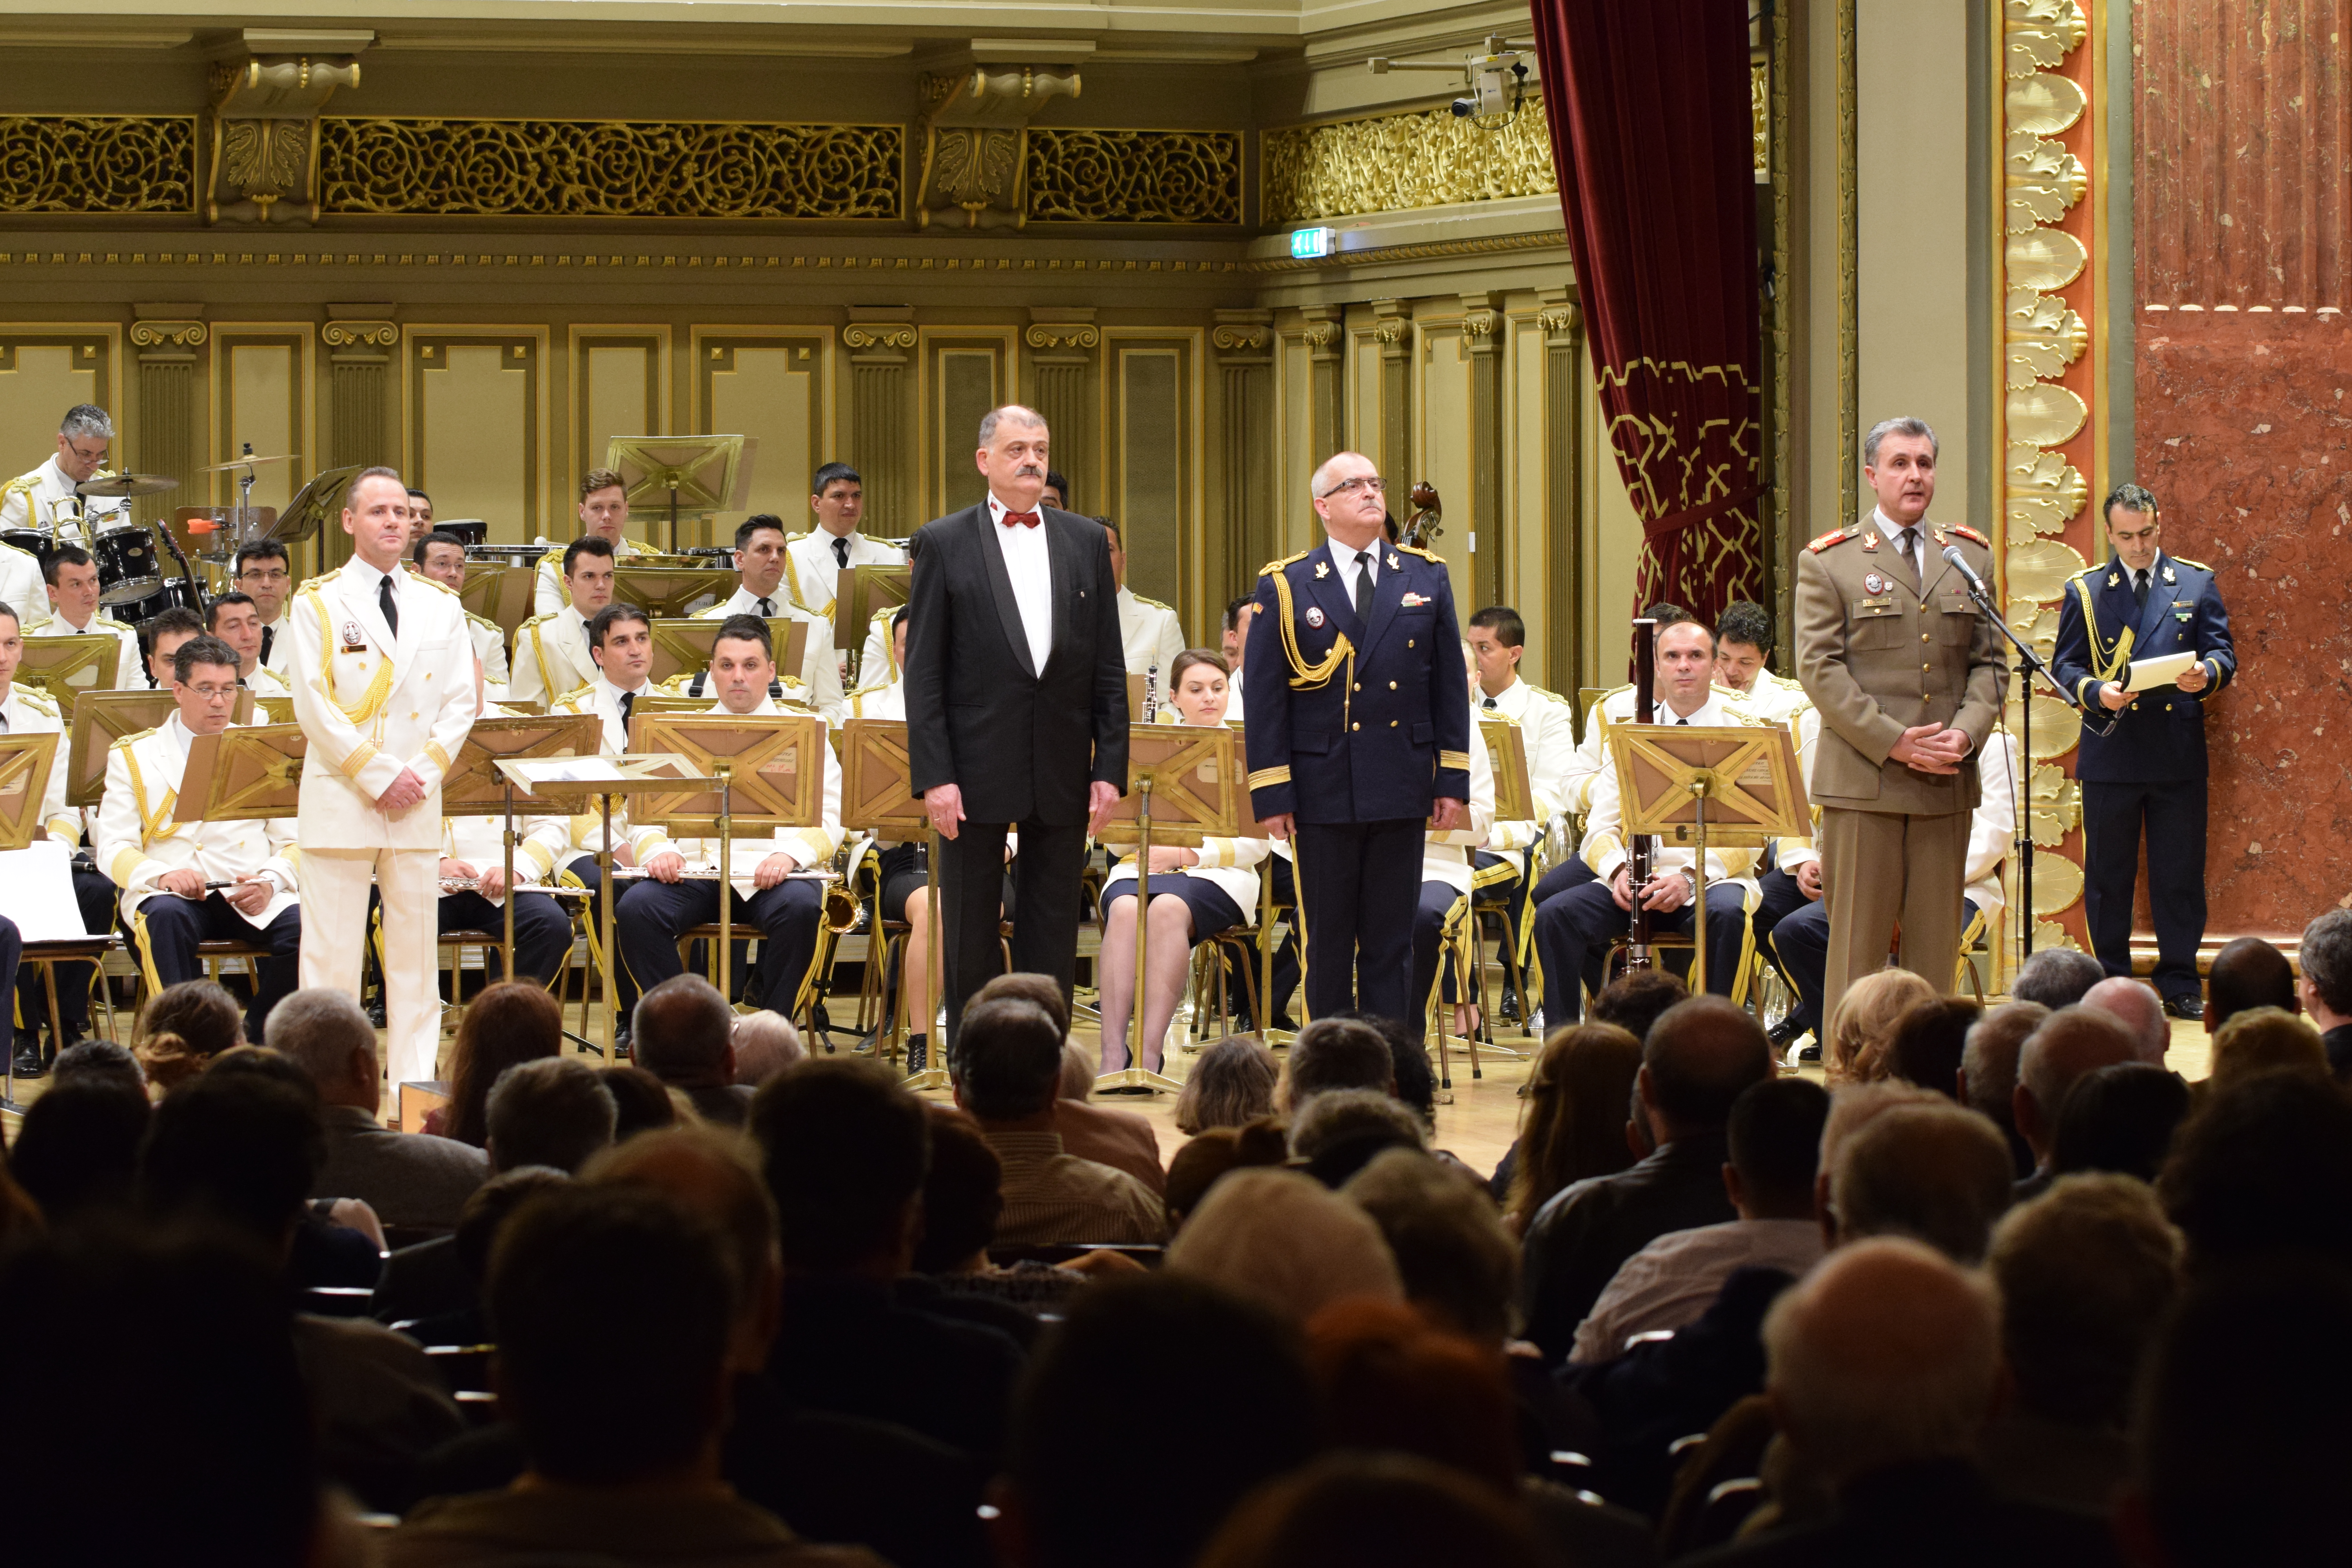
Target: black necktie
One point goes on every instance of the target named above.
(268, 635)
(1682, 721)
(1907, 542)
(768, 608)
(628, 700)
(2140, 588)
(388, 605)
(1490, 705)
(841, 553)
(1364, 586)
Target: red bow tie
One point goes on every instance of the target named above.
(1020, 519)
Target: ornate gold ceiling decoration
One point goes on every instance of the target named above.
(1135, 176)
(1399, 161)
(98, 164)
(608, 169)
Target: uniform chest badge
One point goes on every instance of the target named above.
(2168, 576)
(354, 639)
(1314, 615)
(1874, 585)
(1322, 569)
(1870, 541)
(1412, 601)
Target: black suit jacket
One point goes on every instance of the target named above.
(1024, 744)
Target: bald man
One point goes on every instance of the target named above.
(2137, 1007)
(2071, 1044)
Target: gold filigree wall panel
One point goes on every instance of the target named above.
(1403, 161)
(607, 169)
(1135, 176)
(98, 164)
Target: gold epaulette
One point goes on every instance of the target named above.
(36, 698)
(308, 582)
(485, 621)
(1417, 550)
(130, 740)
(1965, 531)
(582, 689)
(433, 583)
(2199, 564)
(1546, 693)
(1271, 567)
(1154, 604)
(534, 620)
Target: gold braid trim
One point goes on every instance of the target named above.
(2109, 664)
(373, 700)
(1313, 677)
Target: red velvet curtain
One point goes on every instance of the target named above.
(1651, 135)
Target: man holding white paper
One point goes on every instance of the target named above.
(2145, 638)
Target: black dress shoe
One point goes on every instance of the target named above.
(919, 1054)
(620, 1043)
(2185, 1006)
(29, 1061)
(1787, 1029)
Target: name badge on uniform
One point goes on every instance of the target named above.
(1314, 615)
(1875, 585)
(354, 639)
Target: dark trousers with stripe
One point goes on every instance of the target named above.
(542, 930)
(2172, 816)
(176, 925)
(1575, 928)
(1360, 883)
(651, 917)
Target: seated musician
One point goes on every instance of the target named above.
(603, 514)
(264, 570)
(164, 635)
(1446, 862)
(47, 500)
(819, 557)
(1150, 636)
(473, 851)
(186, 882)
(420, 515)
(1547, 726)
(441, 557)
(652, 913)
(236, 620)
(1575, 926)
(760, 560)
(551, 651)
(1195, 893)
(27, 710)
(71, 577)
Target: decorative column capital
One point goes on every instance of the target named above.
(1392, 326)
(1244, 337)
(887, 340)
(1322, 330)
(163, 340)
(1063, 334)
(262, 147)
(1481, 323)
(360, 335)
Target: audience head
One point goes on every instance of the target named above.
(766, 1044)
(77, 1152)
(1634, 999)
(684, 1032)
(2325, 956)
(1458, 1264)
(1337, 1053)
(1012, 1061)
(2086, 1272)
(554, 1112)
(711, 1173)
(1392, 1382)
(182, 1028)
(2264, 1167)
(1931, 1041)
(1775, 1135)
(2071, 1042)
(641, 1102)
(239, 1148)
(1233, 1083)
(1413, 1081)
(2242, 1446)
(98, 1059)
(1886, 1353)
(586, 1416)
(845, 1150)
(2136, 1005)
(1934, 1173)
(962, 1196)
(1698, 1058)
(323, 1031)
(2120, 1118)
(2056, 977)
(1197, 1165)
(511, 1023)
(1284, 1240)
(1862, 1024)
(2259, 1039)
(1225, 1386)
(1338, 1130)
(2247, 972)
(1989, 1063)
(1574, 1122)
(488, 1208)
(1041, 989)
(1078, 1074)
(1375, 1511)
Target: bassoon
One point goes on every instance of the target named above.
(1641, 852)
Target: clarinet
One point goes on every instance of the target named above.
(1151, 694)
(1641, 852)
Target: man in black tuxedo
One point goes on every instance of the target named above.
(1016, 708)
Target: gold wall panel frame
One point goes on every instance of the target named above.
(712, 349)
(423, 346)
(582, 450)
(1188, 565)
(947, 483)
(97, 347)
(222, 435)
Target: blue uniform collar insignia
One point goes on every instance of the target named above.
(2167, 573)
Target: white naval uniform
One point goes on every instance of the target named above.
(550, 659)
(1547, 725)
(29, 710)
(138, 839)
(820, 671)
(278, 646)
(1776, 698)
(490, 647)
(814, 572)
(45, 499)
(372, 702)
(130, 672)
(584, 836)
(266, 682)
(550, 593)
(1446, 857)
(1604, 841)
(808, 846)
(1150, 635)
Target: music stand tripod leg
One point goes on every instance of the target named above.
(726, 771)
(1699, 895)
(605, 929)
(509, 901)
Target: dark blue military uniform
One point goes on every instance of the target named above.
(1355, 729)
(2150, 770)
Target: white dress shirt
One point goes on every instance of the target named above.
(1028, 562)
(820, 671)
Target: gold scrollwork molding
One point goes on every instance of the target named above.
(2045, 334)
(1051, 337)
(1135, 176)
(98, 164)
(1231, 339)
(360, 334)
(608, 168)
(265, 130)
(167, 334)
(865, 337)
(1398, 162)
(1759, 114)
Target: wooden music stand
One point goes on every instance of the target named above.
(858, 591)
(1506, 752)
(663, 474)
(665, 591)
(1670, 777)
(25, 763)
(682, 645)
(877, 797)
(242, 773)
(1194, 776)
(474, 787)
(501, 594)
(66, 667)
(102, 717)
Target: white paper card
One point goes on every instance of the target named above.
(37, 891)
(2159, 671)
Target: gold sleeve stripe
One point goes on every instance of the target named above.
(1455, 760)
(440, 758)
(126, 861)
(359, 756)
(1266, 778)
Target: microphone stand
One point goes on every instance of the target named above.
(2028, 664)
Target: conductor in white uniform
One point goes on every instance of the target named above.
(384, 691)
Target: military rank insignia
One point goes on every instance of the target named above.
(1322, 569)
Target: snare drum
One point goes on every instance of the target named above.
(128, 570)
(469, 529)
(173, 593)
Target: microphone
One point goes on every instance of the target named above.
(1959, 564)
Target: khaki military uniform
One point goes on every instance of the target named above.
(1879, 652)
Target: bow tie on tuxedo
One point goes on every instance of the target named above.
(1021, 519)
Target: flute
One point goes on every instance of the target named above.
(474, 885)
(634, 874)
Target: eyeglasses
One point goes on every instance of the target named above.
(1371, 483)
(256, 575)
(215, 693)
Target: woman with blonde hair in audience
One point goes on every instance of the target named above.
(1862, 1026)
(1573, 1126)
(2259, 1039)
(1231, 1084)
(182, 1029)
(513, 1022)
(1195, 894)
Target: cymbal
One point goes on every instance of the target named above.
(127, 485)
(242, 462)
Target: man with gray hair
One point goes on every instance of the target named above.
(1882, 1367)
(553, 1111)
(1988, 1083)
(1894, 770)
(408, 1178)
(2324, 986)
(1934, 1173)
(2071, 1044)
(46, 497)
(1015, 684)
(2138, 1009)
(2056, 977)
